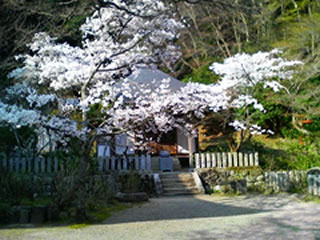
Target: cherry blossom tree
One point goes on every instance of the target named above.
(241, 75)
(75, 80)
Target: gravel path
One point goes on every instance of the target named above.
(196, 217)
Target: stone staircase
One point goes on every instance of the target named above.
(177, 183)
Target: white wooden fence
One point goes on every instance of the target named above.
(41, 165)
(226, 159)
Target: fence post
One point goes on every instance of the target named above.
(56, 165)
(100, 164)
(36, 165)
(213, 160)
(235, 159)
(251, 161)
(197, 157)
(240, 159)
(119, 159)
(43, 164)
(23, 165)
(224, 157)
(256, 159)
(219, 160)
(136, 161)
(49, 161)
(113, 163)
(131, 163)
(230, 159)
(203, 160)
(148, 162)
(125, 163)
(143, 162)
(209, 160)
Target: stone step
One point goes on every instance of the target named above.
(177, 185)
(176, 176)
(180, 191)
(180, 183)
(171, 182)
(171, 194)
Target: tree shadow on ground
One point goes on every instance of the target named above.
(180, 207)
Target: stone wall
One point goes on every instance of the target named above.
(252, 179)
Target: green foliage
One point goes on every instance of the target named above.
(202, 75)
(15, 188)
(5, 211)
(132, 182)
(306, 155)
(21, 137)
(75, 22)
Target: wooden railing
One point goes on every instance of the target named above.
(223, 160)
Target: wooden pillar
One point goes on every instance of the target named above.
(190, 148)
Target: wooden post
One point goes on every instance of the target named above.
(49, 164)
(125, 163)
(119, 163)
(100, 164)
(42, 164)
(197, 156)
(224, 158)
(240, 159)
(137, 165)
(36, 165)
(214, 160)
(230, 159)
(235, 159)
(256, 159)
(251, 161)
(219, 163)
(131, 163)
(107, 163)
(209, 160)
(113, 163)
(149, 162)
(190, 149)
(203, 160)
(143, 162)
(56, 165)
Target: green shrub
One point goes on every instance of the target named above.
(135, 182)
(16, 187)
(306, 155)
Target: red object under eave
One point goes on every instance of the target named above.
(308, 121)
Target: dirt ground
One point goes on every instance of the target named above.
(195, 217)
